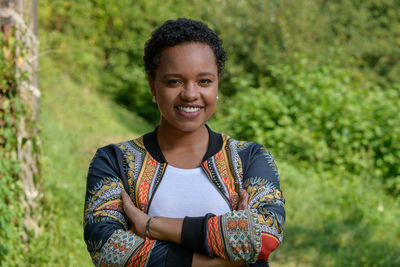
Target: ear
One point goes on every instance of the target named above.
(151, 84)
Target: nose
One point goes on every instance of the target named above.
(189, 92)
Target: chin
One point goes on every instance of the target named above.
(183, 125)
(189, 128)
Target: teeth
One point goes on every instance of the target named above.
(188, 109)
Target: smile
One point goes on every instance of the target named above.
(188, 109)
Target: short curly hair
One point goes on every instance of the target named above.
(175, 32)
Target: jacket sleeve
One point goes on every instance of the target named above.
(106, 230)
(250, 234)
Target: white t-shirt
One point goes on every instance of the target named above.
(187, 192)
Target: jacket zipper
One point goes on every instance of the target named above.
(155, 189)
(209, 178)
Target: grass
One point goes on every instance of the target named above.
(74, 121)
(337, 221)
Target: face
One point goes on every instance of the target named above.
(186, 86)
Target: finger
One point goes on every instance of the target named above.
(127, 202)
(126, 198)
(244, 199)
(244, 195)
(243, 192)
(243, 206)
(124, 195)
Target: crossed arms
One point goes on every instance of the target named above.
(239, 236)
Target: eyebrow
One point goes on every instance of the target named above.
(206, 73)
(172, 74)
(179, 75)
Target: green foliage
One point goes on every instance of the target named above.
(110, 42)
(324, 116)
(108, 37)
(11, 224)
(370, 31)
(334, 220)
(11, 112)
(257, 34)
(69, 38)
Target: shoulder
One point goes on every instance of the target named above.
(253, 156)
(245, 147)
(136, 143)
(122, 147)
(115, 154)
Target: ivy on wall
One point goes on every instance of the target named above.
(19, 147)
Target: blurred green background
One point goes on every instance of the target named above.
(317, 82)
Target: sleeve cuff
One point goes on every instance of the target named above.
(194, 234)
(178, 256)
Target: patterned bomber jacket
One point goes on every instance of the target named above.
(138, 166)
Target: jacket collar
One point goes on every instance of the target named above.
(151, 145)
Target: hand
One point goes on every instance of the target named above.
(137, 217)
(244, 200)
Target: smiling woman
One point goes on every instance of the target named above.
(185, 86)
(183, 195)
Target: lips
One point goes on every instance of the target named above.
(188, 109)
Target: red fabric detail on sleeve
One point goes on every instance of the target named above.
(214, 240)
(268, 244)
(141, 256)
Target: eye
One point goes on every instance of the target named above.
(205, 82)
(173, 82)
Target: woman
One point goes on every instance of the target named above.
(216, 200)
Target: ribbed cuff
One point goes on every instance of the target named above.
(178, 256)
(194, 234)
(259, 263)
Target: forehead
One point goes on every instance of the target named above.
(189, 58)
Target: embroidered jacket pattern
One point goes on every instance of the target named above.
(138, 167)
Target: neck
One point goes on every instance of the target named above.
(171, 138)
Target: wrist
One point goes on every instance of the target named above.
(147, 227)
(166, 229)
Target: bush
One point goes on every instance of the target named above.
(107, 38)
(323, 116)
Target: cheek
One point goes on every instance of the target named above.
(213, 96)
(166, 98)
(165, 101)
(212, 100)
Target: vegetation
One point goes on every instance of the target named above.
(322, 116)
(256, 35)
(10, 112)
(336, 220)
(317, 82)
(18, 142)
